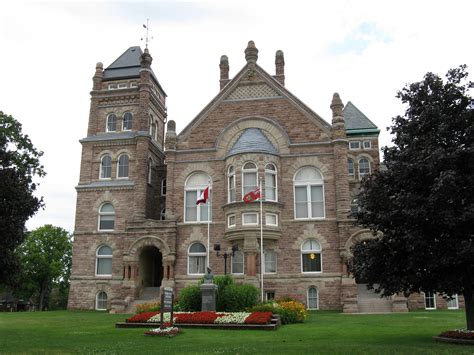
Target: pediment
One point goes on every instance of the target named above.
(252, 86)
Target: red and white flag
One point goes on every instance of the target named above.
(252, 195)
(203, 197)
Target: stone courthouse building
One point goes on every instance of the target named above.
(138, 227)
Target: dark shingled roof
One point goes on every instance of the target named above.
(355, 120)
(252, 140)
(127, 66)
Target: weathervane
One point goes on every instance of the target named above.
(147, 27)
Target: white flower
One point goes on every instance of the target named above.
(232, 318)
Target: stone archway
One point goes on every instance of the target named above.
(151, 266)
(148, 266)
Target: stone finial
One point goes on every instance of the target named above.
(251, 53)
(170, 140)
(224, 67)
(98, 75)
(338, 129)
(99, 67)
(171, 126)
(280, 67)
(146, 59)
(336, 106)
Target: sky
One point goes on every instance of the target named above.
(364, 50)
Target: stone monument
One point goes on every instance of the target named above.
(208, 292)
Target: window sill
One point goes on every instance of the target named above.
(309, 218)
(311, 272)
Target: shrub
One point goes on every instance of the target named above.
(190, 299)
(285, 299)
(147, 307)
(289, 311)
(263, 307)
(236, 298)
(222, 282)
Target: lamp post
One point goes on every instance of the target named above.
(217, 249)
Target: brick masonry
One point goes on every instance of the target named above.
(301, 138)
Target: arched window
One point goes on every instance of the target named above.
(364, 167)
(231, 184)
(101, 301)
(249, 178)
(270, 261)
(150, 170)
(104, 261)
(194, 187)
(122, 171)
(111, 123)
(313, 302)
(107, 217)
(153, 131)
(350, 167)
(163, 187)
(309, 193)
(127, 121)
(196, 259)
(311, 256)
(106, 167)
(271, 183)
(237, 264)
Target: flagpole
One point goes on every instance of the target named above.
(208, 221)
(261, 239)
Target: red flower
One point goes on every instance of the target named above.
(142, 317)
(259, 318)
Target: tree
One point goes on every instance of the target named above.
(423, 202)
(45, 259)
(19, 163)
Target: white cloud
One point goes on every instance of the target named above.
(49, 51)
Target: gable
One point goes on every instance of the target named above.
(253, 85)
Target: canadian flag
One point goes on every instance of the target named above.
(252, 195)
(203, 197)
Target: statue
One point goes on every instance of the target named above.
(209, 277)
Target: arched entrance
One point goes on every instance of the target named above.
(151, 266)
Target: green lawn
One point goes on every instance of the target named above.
(324, 332)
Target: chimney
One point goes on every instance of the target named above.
(224, 67)
(280, 67)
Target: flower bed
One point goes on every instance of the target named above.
(458, 334)
(204, 318)
(259, 318)
(165, 332)
(143, 317)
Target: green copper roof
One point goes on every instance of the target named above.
(356, 122)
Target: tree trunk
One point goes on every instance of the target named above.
(41, 299)
(469, 305)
